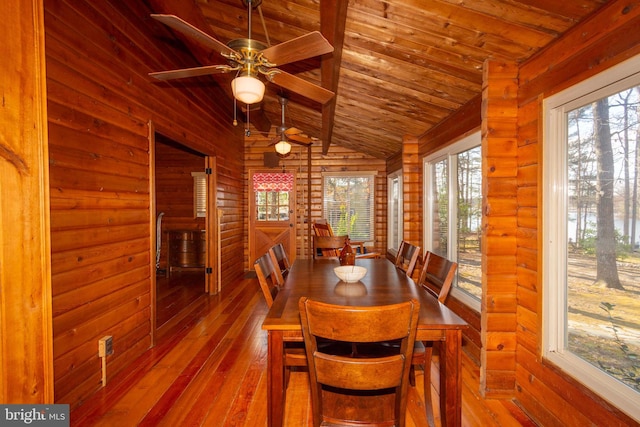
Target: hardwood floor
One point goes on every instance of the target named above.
(174, 296)
(209, 369)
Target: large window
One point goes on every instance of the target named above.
(453, 212)
(348, 204)
(591, 227)
(394, 218)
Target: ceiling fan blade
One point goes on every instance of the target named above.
(301, 86)
(194, 33)
(292, 131)
(303, 47)
(299, 139)
(189, 72)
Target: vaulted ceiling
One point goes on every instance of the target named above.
(399, 67)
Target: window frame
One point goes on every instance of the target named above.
(472, 140)
(371, 175)
(554, 189)
(399, 213)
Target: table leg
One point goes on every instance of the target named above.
(451, 379)
(275, 379)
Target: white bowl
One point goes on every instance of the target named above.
(350, 273)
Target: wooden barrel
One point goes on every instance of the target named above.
(187, 248)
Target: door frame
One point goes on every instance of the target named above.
(212, 261)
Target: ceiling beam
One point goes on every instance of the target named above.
(333, 19)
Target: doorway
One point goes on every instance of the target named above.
(181, 199)
(272, 212)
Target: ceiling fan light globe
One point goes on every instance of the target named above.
(247, 89)
(283, 148)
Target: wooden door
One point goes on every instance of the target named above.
(272, 213)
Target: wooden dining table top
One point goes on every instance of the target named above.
(383, 284)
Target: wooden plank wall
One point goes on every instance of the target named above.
(100, 101)
(606, 39)
(337, 160)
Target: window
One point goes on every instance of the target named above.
(453, 195)
(272, 195)
(199, 194)
(394, 228)
(272, 205)
(348, 204)
(590, 262)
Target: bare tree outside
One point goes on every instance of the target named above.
(603, 264)
(607, 270)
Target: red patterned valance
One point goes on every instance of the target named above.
(273, 181)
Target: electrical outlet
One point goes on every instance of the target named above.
(105, 346)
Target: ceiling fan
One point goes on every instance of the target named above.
(295, 135)
(250, 58)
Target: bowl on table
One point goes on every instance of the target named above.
(350, 273)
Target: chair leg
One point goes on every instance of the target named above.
(287, 374)
(412, 376)
(428, 401)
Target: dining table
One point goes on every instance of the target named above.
(383, 284)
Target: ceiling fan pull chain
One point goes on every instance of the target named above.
(247, 131)
(235, 113)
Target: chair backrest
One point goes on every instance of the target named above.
(372, 371)
(328, 246)
(322, 228)
(437, 275)
(280, 261)
(407, 257)
(269, 281)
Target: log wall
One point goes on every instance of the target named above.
(100, 101)
(26, 363)
(499, 196)
(608, 38)
(507, 335)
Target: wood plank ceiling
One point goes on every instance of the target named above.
(399, 66)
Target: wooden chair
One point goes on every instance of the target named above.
(270, 284)
(280, 261)
(436, 277)
(328, 246)
(407, 257)
(294, 354)
(364, 373)
(323, 228)
(269, 281)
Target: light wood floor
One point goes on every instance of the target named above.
(210, 370)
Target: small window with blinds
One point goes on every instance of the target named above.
(199, 194)
(348, 204)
